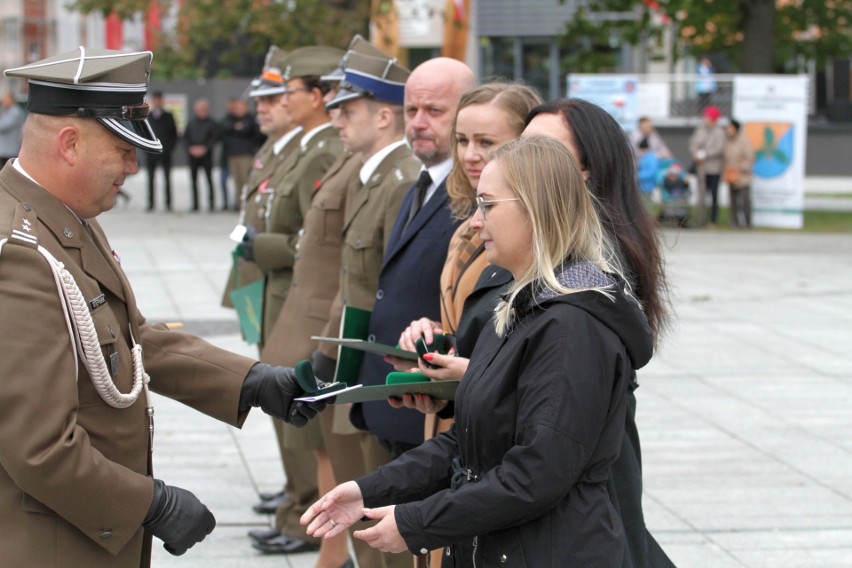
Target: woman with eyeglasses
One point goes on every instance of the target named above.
(487, 117)
(520, 479)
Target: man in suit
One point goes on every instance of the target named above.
(163, 124)
(408, 286)
(76, 430)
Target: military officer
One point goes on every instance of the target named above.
(282, 139)
(76, 424)
(274, 251)
(371, 122)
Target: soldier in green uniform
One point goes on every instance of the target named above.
(370, 122)
(281, 141)
(275, 249)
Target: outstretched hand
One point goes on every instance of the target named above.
(384, 535)
(336, 511)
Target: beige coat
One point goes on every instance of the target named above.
(254, 196)
(371, 212)
(275, 248)
(73, 481)
(740, 154)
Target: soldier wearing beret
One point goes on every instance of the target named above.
(76, 423)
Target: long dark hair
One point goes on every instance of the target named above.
(606, 154)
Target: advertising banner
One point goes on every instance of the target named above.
(772, 110)
(616, 94)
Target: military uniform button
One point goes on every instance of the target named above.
(503, 559)
(27, 207)
(380, 294)
(423, 551)
(357, 242)
(106, 533)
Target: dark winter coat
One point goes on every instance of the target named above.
(520, 480)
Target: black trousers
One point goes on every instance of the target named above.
(163, 160)
(204, 162)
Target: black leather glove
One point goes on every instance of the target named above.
(247, 246)
(273, 390)
(323, 366)
(178, 518)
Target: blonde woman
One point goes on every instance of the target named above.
(487, 117)
(520, 478)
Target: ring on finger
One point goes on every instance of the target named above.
(333, 524)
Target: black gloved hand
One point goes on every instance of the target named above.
(273, 390)
(178, 518)
(323, 366)
(247, 246)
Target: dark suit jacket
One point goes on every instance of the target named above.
(409, 286)
(165, 129)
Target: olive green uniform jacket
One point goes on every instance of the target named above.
(317, 267)
(74, 485)
(371, 212)
(275, 248)
(254, 197)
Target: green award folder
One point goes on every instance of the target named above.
(355, 324)
(247, 301)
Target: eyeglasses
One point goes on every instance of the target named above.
(485, 205)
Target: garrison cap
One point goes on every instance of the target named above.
(95, 83)
(377, 78)
(270, 81)
(315, 60)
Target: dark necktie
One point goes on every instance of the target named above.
(423, 182)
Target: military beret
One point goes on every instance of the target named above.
(315, 60)
(106, 85)
(270, 81)
(378, 78)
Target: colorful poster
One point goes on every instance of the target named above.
(616, 94)
(773, 112)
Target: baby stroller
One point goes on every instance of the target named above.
(674, 193)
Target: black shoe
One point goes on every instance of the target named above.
(268, 495)
(285, 545)
(263, 535)
(268, 507)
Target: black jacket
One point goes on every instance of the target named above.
(539, 422)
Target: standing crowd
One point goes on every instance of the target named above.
(410, 205)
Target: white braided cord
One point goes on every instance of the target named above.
(84, 340)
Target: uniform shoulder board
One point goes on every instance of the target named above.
(24, 226)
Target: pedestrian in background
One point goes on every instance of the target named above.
(12, 119)
(706, 144)
(705, 86)
(199, 138)
(163, 124)
(739, 162)
(240, 137)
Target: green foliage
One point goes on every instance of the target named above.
(216, 36)
(797, 30)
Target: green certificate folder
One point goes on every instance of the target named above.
(445, 390)
(248, 302)
(355, 324)
(364, 345)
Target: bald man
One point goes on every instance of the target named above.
(409, 280)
